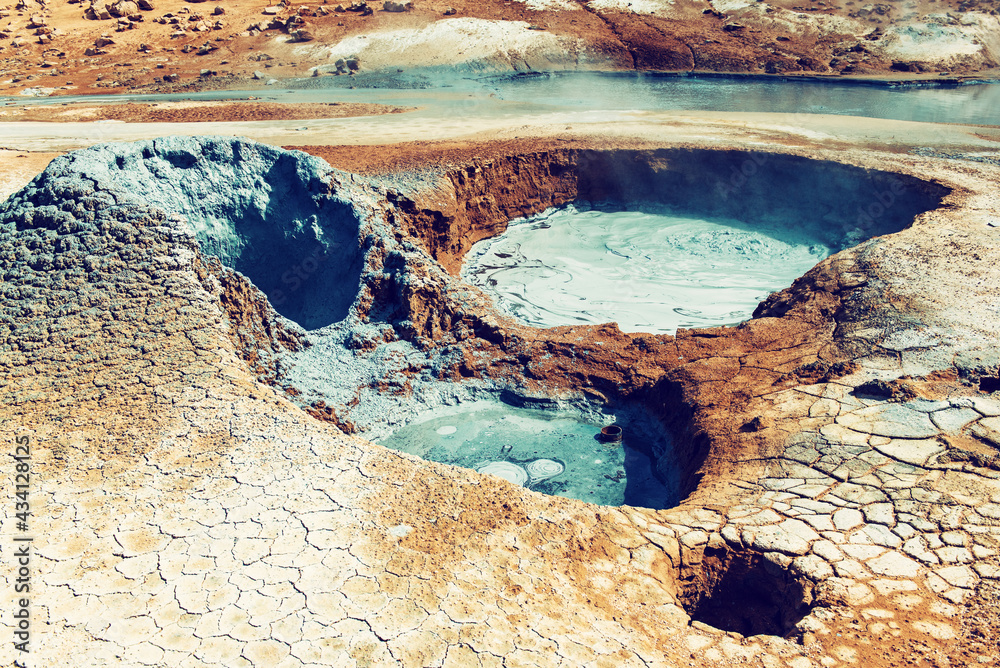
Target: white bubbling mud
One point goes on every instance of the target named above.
(649, 272)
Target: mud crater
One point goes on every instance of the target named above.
(393, 332)
(263, 212)
(741, 591)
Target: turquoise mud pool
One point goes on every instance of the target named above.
(646, 271)
(555, 452)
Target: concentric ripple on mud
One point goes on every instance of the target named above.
(649, 272)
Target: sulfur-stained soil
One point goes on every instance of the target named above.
(179, 46)
(194, 112)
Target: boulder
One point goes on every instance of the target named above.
(271, 11)
(124, 8)
(392, 6)
(145, 5)
(36, 21)
(103, 40)
(302, 35)
(98, 12)
(219, 11)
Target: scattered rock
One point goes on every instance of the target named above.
(145, 5)
(219, 11)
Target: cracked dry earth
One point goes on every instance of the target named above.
(839, 450)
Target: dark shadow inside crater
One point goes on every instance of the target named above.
(265, 212)
(838, 203)
(989, 384)
(745, 593)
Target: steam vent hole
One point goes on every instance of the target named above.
(552, 450)
(264, 212)
(745, 593)
(684, 238)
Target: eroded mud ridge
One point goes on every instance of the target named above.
(837, 454)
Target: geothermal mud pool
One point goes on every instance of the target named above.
(556, 452)
(645, 271)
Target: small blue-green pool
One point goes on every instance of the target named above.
(555, 452)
